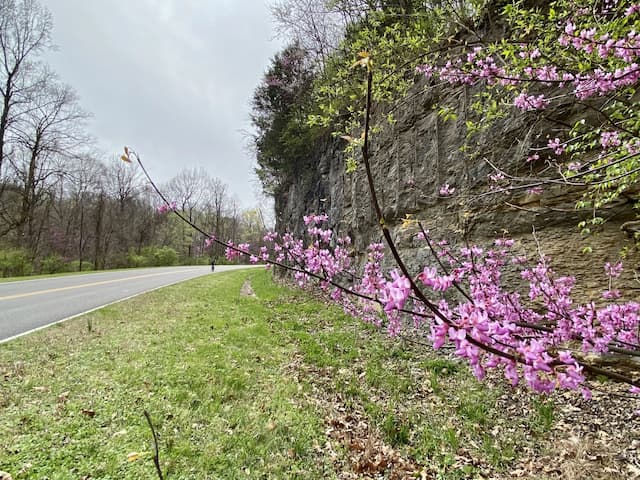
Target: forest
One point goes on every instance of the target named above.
(67, 206)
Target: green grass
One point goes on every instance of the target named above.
(238, 387)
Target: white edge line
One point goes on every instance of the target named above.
(5, 340)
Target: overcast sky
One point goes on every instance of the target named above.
(171, 78)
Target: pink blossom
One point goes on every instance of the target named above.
(430, 278)
(574, 166)
(170, 207)
(609, 139)
(526, 102)
(557, 146)
(446, 190)
(311, 220)
(489, 315)
(395, 293)
(210, 240)
(632, 9)
(610, 294)
(613, 271)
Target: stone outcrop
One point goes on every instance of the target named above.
(414, 157)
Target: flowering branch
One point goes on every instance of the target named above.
(537, 332)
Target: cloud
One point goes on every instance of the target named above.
(173, 78)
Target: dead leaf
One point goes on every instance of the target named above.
(135, 456)
(88, 412)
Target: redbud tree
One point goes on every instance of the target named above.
(579, 56)
(533, 330)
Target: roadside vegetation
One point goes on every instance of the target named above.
(259, 382)
(64, 206)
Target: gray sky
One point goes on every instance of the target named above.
(171, 78)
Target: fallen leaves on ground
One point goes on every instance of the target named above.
(593, 439)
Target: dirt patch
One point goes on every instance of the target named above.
(246, 290)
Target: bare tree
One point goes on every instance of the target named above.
(316, 26)
(87, 187)
(189, 190)
(25, 31)
(234, 216)
(117, 211)
(215, 208)
(48, 135)
(123, 183)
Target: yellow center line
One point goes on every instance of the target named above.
(61, 289)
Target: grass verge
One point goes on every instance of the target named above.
(275, 385)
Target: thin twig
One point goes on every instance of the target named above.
(156, 454)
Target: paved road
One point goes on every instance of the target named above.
(26, 305)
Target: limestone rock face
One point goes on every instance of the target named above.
(421, 152)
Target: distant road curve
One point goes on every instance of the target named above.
(29, 305)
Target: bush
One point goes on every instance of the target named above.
(165, 256)
(75, 266)
(201, 260)
(15, 262)
(54, 264)
(152, 257)
(135, 260)
(225, 261)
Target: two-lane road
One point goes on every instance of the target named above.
(27, 305)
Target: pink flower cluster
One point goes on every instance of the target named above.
(632, 9)
(164, 208)
(588, 41)
(609, 139)
(598, 81)
(529, 334)
(557, 146)
(210, 240)
(610, 57)
(233, 252)
(526, 102)
(446, 190)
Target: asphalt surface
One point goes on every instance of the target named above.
(28, 305)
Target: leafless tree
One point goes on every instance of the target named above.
(217, 194)
(86, 189)
(123, 182)
(25, 31)
(316, 26)
(48, 135)
(189, 190)
(117, 211)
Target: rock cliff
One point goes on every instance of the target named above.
(415, 156)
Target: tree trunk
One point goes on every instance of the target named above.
(98, 231)
(4, 118)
